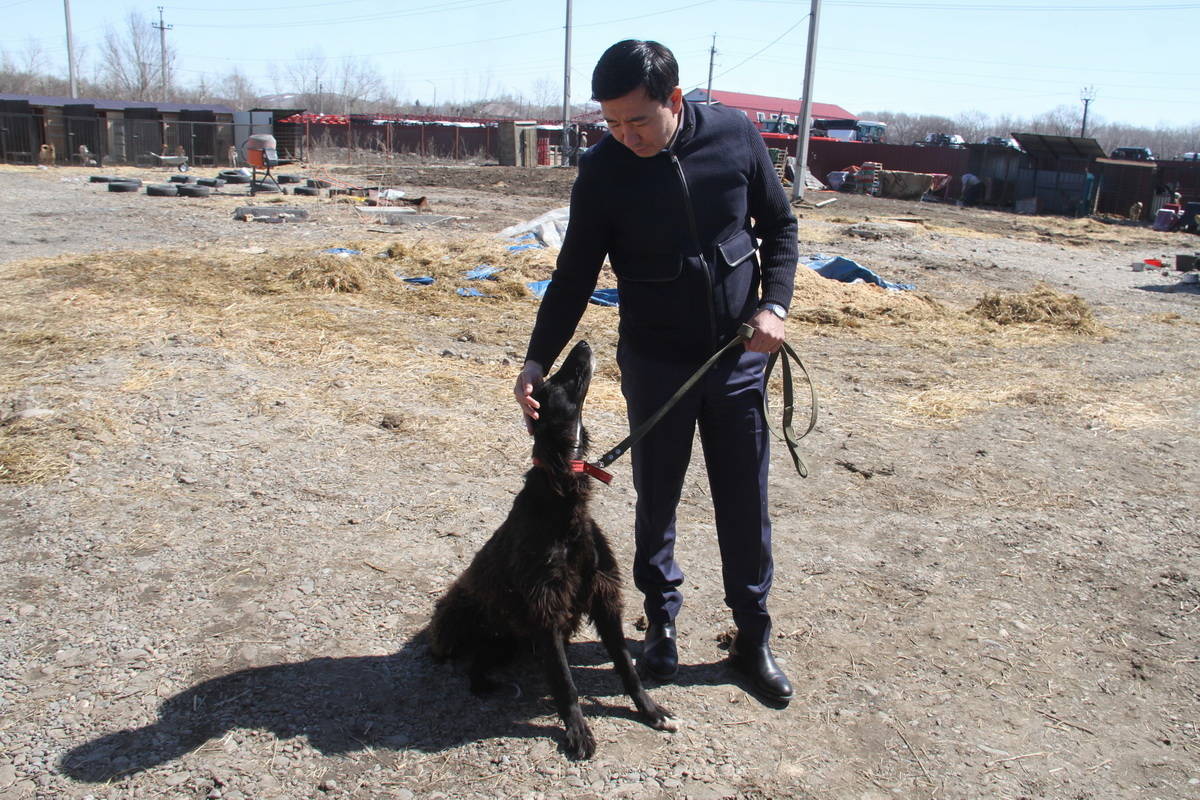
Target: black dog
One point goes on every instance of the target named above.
(544, 568)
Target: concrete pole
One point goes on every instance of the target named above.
(162, 51)
(1087, 96)
(566, 115)
(70, 50)
(805, 120)
(712, 54)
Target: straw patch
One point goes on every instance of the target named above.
(1155, 403)
(1039, 306)
(35, 444)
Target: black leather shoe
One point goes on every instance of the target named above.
(757, 663)
(660, 658)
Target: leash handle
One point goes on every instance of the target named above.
(785, 431)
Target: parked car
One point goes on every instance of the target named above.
(1002, 141)
(1133, 154)
(1191, 157)
(942, 140)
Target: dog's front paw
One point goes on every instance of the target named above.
(580, 742)
(661, 719)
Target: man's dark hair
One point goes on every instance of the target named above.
(632, 63)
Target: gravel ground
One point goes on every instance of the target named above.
(989, 588)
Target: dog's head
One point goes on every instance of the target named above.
(558, 433)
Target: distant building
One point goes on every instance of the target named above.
(770, 113)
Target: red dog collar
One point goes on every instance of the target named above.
(586, 469)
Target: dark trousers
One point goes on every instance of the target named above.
(726, 405)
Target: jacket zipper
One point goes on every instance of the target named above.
(708, 278)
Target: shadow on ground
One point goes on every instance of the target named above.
(341, 705)
(1172, 288)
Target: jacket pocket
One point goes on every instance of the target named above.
(647, 267)
(736, 248)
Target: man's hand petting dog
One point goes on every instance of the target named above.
(528, 381)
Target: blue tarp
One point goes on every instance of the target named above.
(840, 268)
(423, 280)
(605, 297)
(471, 292)
(483, 272)
(601, 297)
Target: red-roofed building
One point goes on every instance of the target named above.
(765, 110)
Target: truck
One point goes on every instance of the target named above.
(783, 133)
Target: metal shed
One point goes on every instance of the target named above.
(1124, 183)
(1060, 180)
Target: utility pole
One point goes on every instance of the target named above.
(162, 49)
(565, 156)
(70, 50)
(804, 123)
(1087, 96)
(712, 54)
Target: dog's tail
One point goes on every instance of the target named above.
(454, 626)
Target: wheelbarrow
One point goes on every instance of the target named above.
(178, 162)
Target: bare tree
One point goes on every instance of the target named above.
(974, 126)
(237, 90)
(359, 85)
(1061, 120)
(130, 59)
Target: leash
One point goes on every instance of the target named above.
(785, 432)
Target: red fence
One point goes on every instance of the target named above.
(826, 156)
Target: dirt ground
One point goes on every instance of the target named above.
(229, 497)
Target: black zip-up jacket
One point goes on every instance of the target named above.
(678, 302)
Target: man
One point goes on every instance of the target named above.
(972, 189)
(675, 195)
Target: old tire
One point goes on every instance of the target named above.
(194, 190)
(162, 189)
(233, 176)
(306, 191)
(289, 178)
(103, 178)
(124, 186)
(180, 179)
(215, 183)
(317, 183)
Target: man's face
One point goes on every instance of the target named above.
(641, 123)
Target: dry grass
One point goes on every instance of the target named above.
(1039, 306)
(354, 317)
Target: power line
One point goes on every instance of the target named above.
(525, 34)
(907, 5)
(764, 49)
(460, 5)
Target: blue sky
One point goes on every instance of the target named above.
(919, 56)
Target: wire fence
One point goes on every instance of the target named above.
(101, 141)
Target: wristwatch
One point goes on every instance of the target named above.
(775, 309)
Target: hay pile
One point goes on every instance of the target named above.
(820, 301)
(1039, 306)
